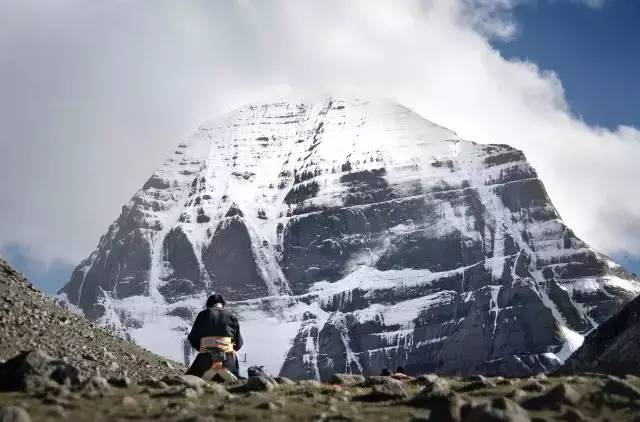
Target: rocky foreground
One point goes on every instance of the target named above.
(53, 391)
(55, 365)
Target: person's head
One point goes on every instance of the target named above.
(215, 301)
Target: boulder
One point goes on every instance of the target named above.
(347, 379)
(33, 370)
(14, 414)
(498, 410)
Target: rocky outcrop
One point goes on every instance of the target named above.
(352, 236)
(613, 347)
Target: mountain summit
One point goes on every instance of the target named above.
(350, 236)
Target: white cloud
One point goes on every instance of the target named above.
(107, 90)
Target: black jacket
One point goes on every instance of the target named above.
(215, 322)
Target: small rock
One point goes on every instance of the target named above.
(475, 378)
(259, 384)
(177, 391)
(188, 380)
(14, 414)
(347, 379)
(438, 386)
(562, 394)
(216, 389)
(120, 382)
(385, 392)
(310, 384)
(534, 386)
(96, 386)
(378, 380)
(31, 371)
(153, 383)
(445, 407)
(426, 379)
(477, 385)
(284, 381)
(620, 387)
(268, 405)
(573, 415)
(499, 410)
(130, 402)
(517, 395)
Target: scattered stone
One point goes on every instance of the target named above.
(129, 402)
(475, 378)
(562, 394)
(14, 414)
(385, 392)
(177, 391)
(32, 370)
(283, 381)
(498, 410)
(259, 384)
(268, 405)
(347, 379)
(188, 380)
(310, 384)
(120, 382)
(620, 387)
(517, 395)
(445, 407)
(573, 415)
(534, 386)
(426, 379)
(378, 380)
(437, 385)
(477, 385)
(95, 386)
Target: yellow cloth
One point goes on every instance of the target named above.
(223, 343)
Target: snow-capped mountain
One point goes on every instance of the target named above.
(351, 236)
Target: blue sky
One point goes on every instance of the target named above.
(594, 50)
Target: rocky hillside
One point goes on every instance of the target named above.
(614, 347)
(351, 235)
(31, 321)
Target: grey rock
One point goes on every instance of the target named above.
(188, 380)
(517, 395)
(498, 410)
(533, 386)
(562, 394)
(14, 414)
(177, 391)
(347, 379)
(379, 380)
(385, 392)
(120, 382)
(284, 381)
(612, 347)
(95, 386)
(444, 407)
(259, 384)
(129, 402)
(621, 388)
(33, 370)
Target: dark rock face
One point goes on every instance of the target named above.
(613, 347)
(376, 238)
(230, 261)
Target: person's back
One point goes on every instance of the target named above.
(215, 330)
